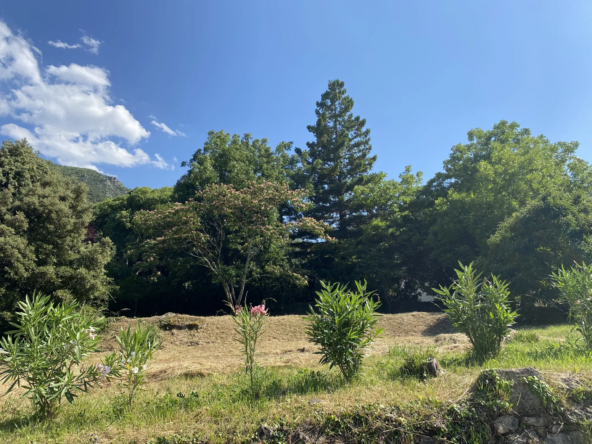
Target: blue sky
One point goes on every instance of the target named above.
(421, 73)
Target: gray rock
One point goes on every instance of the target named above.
(505, 424)
(315, 401)
(434, 367)
(565, 438)
(524, 401)
(264, 432)
(421, 439)
(541, 431)
(522, 437)
(534, 421)
(390, 418)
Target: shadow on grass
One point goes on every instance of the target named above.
(20, 422)
(304, 382)
(441, 326)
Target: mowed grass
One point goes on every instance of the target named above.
(214, 406)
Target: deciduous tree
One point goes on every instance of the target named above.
(236, 234)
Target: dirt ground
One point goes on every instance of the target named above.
(213, 349)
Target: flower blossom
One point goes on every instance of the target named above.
(258, 310)
(135, 370)
(104, 370)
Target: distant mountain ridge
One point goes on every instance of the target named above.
(100, 186)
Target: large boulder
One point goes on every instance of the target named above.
(524, 401)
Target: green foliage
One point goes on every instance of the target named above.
(343, 326)
(545, 393)
(575, 287)
(236, 161)
(99, 186)
(113, 219)
(43, 234)
(480, 309)
(493, 392)
(45, 353)
(383, 237)
(135, 349)
(249, 325)
(485, 181)
(536, 240)
(237, 235)
(338, 159)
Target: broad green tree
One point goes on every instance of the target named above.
(234, 160)
(237, 235)
(44, 242)
(547, 233)
(379, 253)
(486, 181)
(113, 219)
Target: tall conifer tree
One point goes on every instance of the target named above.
(337, 160)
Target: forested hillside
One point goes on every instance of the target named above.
(100, 186)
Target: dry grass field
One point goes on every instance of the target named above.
(213, 348)
(299, 392)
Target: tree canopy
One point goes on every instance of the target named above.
(249, 217)
(44, 238)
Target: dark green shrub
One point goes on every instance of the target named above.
(343, 325)
(480, 309)
(575, 287)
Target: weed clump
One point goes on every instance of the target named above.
(525, 337)
(416, 362)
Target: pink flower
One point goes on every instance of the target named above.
(237, 309)
(258, 310)
(578, 301)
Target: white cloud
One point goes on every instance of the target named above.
(91, 44)
(76, 74)
(160, 163)
(66, 112)
(16, 55)
(60, 44)
(165, 128)
(88, 43)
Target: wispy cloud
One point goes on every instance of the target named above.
(88, 43)
(91, 44)
(60, 44)
(165, 128)
(160, 163)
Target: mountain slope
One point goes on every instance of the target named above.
(100, 187)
